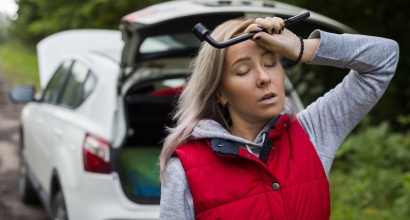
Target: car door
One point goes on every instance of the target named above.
(58, 110)
(37, 127)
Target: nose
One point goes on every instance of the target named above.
(263, 78)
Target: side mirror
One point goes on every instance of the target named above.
(22, 94)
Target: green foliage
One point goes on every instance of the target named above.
(370, 177)
(38, 19)
(19, 64)
(311, 81)
(5, 21)
(383, 18)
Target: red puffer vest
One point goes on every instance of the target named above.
(228, 182)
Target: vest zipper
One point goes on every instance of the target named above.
(267, 144)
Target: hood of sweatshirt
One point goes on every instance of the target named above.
(211, 129)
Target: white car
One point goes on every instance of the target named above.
(90, 140)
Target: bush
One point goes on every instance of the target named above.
(19, 64)
(370, 178)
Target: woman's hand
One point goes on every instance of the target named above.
(281, 40)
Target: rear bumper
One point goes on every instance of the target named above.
(101, 197)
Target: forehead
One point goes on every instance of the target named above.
(247, 48)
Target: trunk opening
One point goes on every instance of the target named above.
(148, 109)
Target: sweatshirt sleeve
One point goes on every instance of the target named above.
(372, 62)
(176, 199)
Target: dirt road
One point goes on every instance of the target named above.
(10, 206)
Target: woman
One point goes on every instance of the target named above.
(237, 152)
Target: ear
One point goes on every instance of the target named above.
(221, 98)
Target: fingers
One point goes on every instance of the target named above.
(286, 44)
(274, 36)
(253, 28)
(273, 25)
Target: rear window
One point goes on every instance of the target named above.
(167, 42)
(80, 84)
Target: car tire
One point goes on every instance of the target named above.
(58, 207)
(26, 190)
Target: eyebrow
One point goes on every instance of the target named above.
(249, 58)
(240, 60)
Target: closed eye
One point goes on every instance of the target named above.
(270, 65)
(269, 61)
(242, 70)
(242, 73)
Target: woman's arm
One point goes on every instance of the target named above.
(331, 118)
(176, 199)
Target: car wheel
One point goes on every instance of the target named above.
(59, 208)
(26, 191)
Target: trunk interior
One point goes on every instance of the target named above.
(148, 108)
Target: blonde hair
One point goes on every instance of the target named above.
(198, 100)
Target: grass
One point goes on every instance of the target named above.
(19, 64)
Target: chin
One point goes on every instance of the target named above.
(270, 115)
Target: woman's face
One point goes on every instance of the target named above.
(253, 83)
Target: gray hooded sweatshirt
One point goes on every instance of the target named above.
(327, 121)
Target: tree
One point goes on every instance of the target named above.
(38, 18)
(385, 19)
(5, 21)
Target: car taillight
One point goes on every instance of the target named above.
(96, 155)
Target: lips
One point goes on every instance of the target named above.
(267, 97)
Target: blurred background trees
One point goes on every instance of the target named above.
(383, 18)
(38, 19)
(371, 175)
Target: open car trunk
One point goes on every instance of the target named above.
(148, 108)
